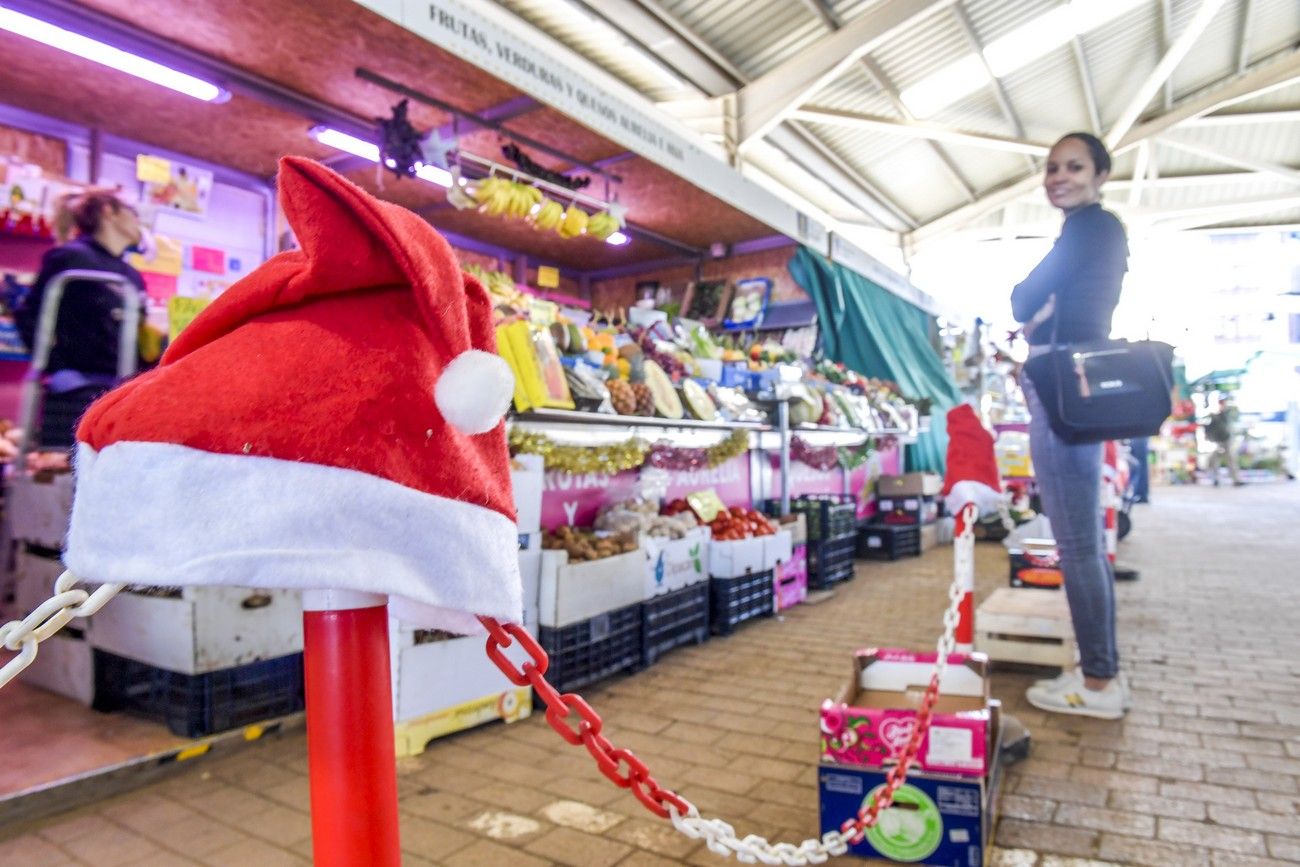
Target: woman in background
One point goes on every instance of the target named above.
(82, 364)
(1069, 297)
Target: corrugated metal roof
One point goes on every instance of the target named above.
(567, 24)
(1046, 95)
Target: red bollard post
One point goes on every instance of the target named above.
(351, 757)
(963, 544)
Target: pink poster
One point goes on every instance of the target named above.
(730, 480)
(575, 500)
(159, 287)
(207, 259)
(805, 479)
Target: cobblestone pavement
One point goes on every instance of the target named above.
(1205, 770)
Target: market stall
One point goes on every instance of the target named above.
(670, 367)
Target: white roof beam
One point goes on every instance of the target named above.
(1153, 82)
(1085, 83)
(1191, 218)
(1243, 39)
(768, 100)
(1274, 169)
(1166, 37)
(1260, 80)
(1245, 118)
(885, 86)
(1139, 174)
(1000, 92)
(918, 129)
(1169, 182)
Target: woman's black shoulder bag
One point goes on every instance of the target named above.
(1104, 389)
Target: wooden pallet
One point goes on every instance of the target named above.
(1026, 625)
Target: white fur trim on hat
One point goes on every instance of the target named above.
(168, 515)
(984, 497)
(474, 391)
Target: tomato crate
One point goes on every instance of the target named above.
(831, 561)
(886, 542)
(593, 649)
(674, 619)
(829, 516)
(195, 705)
(732, 601)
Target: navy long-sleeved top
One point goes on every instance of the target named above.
(90, 314)
(1084, 270)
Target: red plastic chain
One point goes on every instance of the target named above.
(575, 720)
(611, 760)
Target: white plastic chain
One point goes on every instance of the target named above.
(68, 602)
(721, 838)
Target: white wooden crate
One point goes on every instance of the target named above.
(38, 511)
(204, 629)
(1026, 625)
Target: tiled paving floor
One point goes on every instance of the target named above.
(1204, 771)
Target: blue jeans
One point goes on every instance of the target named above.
(1069, 485)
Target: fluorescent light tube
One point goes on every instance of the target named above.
(370, 151)
(115, 58)
(618, 239)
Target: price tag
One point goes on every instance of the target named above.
(950, 746)
(152, 170)
(548, 277)
(706, 504)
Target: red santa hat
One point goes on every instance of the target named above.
(333, 421)
(972, 475)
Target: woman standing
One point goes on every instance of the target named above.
(1070, 297)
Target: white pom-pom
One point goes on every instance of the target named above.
(474, 391)
(985, 498)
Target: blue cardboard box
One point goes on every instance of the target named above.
(936, 819)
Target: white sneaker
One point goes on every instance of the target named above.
(1107, 703)
(1072, 678)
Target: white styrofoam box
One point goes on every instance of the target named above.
(440, 675)
(530, 570)
(572, 592)
(65, 665)
(734, 558)
(671, 564)
(39, 511)
(204, 629)
(34, 577)
(777, 548)
(527, 484)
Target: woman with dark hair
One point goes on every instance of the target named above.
(82, 364)
(1069, 297)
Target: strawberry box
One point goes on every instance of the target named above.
(871, 720)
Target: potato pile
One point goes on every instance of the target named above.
(583, 545)
(642, 516)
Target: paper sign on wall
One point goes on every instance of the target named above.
(207, 259)
(152, 170)
(166, 258)
(181, 312)
(159, 287)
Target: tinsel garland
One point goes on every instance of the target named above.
(667, 457)
(818, 458)
(627, 455)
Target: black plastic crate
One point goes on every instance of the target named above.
(732, 601)
(195, 705)
(831, 561)
(907, 510)
(829, 516)
(592, 649)
(674, 619)
(885, 542)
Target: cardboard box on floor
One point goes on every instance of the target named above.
(936, 819)
(797, 524)
(1036, 563)
(909, 485)
(871, 720)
